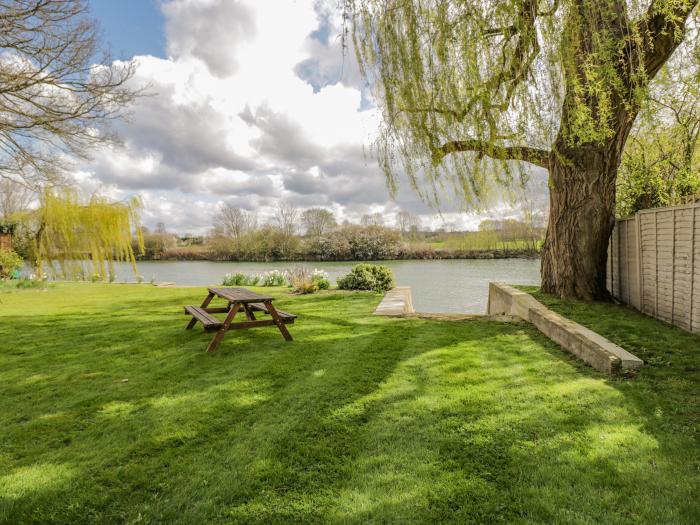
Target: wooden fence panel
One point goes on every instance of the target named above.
(654, 264)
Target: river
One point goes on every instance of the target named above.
(437, 286)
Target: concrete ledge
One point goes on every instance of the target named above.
(396, 302)
(584, 343)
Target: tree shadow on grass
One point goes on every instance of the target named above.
(360, 420)
(173, 423)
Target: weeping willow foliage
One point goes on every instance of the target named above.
(468, 86)
(81, 239)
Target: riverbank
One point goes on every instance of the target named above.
(202, 253)
(115, 414)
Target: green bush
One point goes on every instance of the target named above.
(29, 283)
(10, 263)
(367, 277)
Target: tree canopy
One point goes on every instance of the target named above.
(471, 90)
(83, 238)
(495, 78)
(58, 92)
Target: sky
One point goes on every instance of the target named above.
(250, 103)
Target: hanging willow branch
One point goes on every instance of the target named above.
(459, 81)
(72, 235)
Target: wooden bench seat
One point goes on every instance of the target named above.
(208, 321)
(285, 316)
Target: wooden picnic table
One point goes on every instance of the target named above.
(238, 299)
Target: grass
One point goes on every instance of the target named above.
(359, 420)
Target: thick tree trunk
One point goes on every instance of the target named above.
(581, 219)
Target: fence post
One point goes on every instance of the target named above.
(673, 266)
(692, 269)
(656, 265)
(640, 274)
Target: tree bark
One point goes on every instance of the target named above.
(582, 178)
(581, 219)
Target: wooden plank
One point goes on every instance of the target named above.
(656, 266)
(205, 303)
(257, 323)
(640, 275)
(278, 321)
(673, 268)
(224, 328)
(198, 313)
(692, 271)
(240, 295)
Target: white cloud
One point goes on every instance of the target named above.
(254, 103)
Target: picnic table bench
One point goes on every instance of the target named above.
(238, 299)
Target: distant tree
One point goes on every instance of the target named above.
(58, 92)
(235, 221)
(286, 220)
(466, 86)
(14, 198)
(407, 222)
(372, 219)
(82, 237)
(317, 221)
(489, 225)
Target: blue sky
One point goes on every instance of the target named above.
(131, 27)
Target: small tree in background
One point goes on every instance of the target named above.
(407, 222)
(372, 219)
(235, 222)
(317, 221)
(286, 220)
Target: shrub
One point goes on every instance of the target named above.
(10, 263)
(271, 278)
(367, 277)
(29, 283)
(360, 243)
(321, 279)
(234, 279)
(301, 280)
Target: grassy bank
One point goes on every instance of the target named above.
(112, 413)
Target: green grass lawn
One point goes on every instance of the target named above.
(359, 420)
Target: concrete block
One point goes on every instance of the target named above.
(584, 343)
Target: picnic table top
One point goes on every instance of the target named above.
(240, 295)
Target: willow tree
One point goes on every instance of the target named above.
(83, 238)
(467, 87)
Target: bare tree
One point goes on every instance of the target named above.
(235, 221)
(372, 219)
(14, 198)
(407, 222)
(317, 221)
(56, 96)
(286, 219)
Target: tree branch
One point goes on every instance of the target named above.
(536, 156)
(663, 30)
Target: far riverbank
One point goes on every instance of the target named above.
(191, 253)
